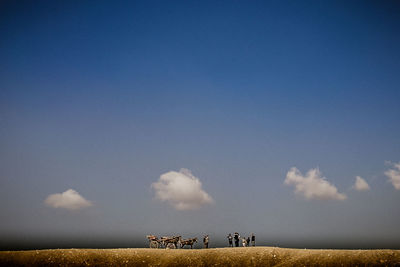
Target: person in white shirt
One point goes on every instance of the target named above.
(244, 241)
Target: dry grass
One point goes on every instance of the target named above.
(258, 256)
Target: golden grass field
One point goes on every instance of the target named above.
(252, 256)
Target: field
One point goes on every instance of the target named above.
(257, 256)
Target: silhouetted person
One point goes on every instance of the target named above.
(205, 241)
(230, 238)
(248, 241)
(236, 238)
(253, 240)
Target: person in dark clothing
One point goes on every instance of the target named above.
(236, 237)
(248, 241)
(230, 240)
(253, 240)
(205, 241)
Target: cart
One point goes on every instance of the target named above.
(170, 242)
(154, 242)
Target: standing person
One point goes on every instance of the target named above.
(244, 242)
(205, 241)
(230, 240)
(253, 240)
(248, 241)
(236, 237)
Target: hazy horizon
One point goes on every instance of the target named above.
(122, 119)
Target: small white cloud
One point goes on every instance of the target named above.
(70, 199)
(394, 175)
(312, 185)
(361, 184)
(182, 190)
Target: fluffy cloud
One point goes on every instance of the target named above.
(312, 185)
(182, 190)
(394, 175)
(361, 184)
(70, 199)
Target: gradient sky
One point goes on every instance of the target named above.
(105, 97)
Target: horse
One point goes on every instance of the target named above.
(190, 242)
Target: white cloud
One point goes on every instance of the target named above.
(394, 175)
(361, 184)
(70, 199)
(182, 190)
(312, 185)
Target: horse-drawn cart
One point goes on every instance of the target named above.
(169, 242)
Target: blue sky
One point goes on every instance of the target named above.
(106, 97)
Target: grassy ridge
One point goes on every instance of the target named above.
(258, 256)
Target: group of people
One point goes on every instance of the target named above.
(245, 241)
